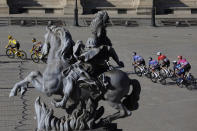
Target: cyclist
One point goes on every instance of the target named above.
(174, 65)
(13, 43)
(138, 60)
(37, 46)
(153, 64)
(184, 67)
(165, 62)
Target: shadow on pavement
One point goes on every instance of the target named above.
(13, 61)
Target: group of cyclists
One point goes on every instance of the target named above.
(14, 44)
(181, 66)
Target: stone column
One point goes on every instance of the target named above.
(4, 9)
(70, 5)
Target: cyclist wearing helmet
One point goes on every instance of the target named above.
(37, 46)
(153, 64)
(163, 60)
(13, 43)
(184, 66)
(139, 60)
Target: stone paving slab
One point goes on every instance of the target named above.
(161, 107)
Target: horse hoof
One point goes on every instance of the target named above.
(129, 113)
(12, 93)
(23, 90)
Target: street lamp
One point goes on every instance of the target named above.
(76, 14)
(153, 13)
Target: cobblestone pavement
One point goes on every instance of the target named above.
(161, 108)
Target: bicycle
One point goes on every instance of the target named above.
(141, 70)
(36, 56)
(157, 76)
(168, 73)
(12, 52)
(188, 81)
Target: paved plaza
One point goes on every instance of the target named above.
(161, 108)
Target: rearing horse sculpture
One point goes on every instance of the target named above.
(50, 82)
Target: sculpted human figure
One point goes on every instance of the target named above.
(98, 48)
(98, 29)
(94, 54)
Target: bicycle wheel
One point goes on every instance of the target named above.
(162, 80)
(190, 87)
(192, 83)
(10, 53)
(22, 55)
(138, 71)
(163, 72)
(147, 73)
(192, 79)
(35, 58)
(179, 84)
(173, 77)
(153, 77)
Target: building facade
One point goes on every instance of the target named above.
(66, 7)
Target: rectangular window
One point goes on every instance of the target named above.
(194, 11)
(122, 11)
(168, 11)
(49, 11)
(93, 11)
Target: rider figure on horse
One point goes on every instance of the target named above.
(98, 47)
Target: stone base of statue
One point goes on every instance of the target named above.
(78, 120)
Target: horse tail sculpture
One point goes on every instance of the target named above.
(131, 100)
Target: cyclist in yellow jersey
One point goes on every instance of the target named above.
(13, 43)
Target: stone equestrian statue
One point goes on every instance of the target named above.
(63, 77)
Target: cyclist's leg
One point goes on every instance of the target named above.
(16, 47)
(181, 74)
(142, 63)
(187, 69)
(168, 64)
(158, 68)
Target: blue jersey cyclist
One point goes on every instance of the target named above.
(137, 59)
(175, 65)
(153, 64)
